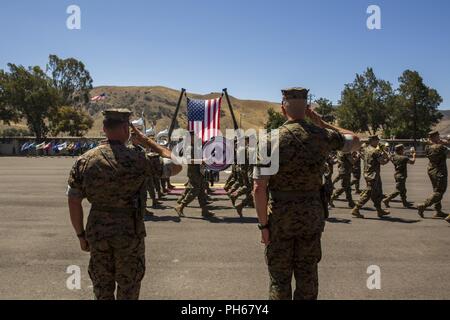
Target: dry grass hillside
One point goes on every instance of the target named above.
(159, 104)
(444, 126)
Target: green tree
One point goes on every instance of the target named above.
(325, 109)
(275, 119)
(74, 121)
(8, 113)
(364, 104)
(29, 91)
(71, 79)
(415, 110)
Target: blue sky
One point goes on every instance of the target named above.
(254, 48)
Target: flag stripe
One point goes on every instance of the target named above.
(204, 117)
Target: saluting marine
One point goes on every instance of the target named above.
(292, 231)
(112, 178)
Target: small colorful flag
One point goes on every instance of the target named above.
(99, 97)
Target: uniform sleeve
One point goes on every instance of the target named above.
(335, 140)
(75, 182)
(260, 163)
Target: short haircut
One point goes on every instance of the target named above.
(111, 124)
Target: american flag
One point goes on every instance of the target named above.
(99, 97)
(204, 117)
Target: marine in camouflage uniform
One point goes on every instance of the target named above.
(247, 186)
(296, 205)
(195, 186)
(356, 172)
(328, 178)
(112, 178)
(231, 178)
(400, 162)
(345, 172)
(436, 153)
(374, 157)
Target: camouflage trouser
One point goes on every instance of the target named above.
(400, 189)
(337, 179)
(356, 180)
(296, 256)
(345, 187)
(374, 191)
(439, 183)
(151, 188)
(229, 182)
(328, 187)
(157, 184)
(118, 260)
(190, 193)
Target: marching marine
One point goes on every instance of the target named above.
(374, 157)
(436, 153)
(400, 162)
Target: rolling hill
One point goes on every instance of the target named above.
(159, 103)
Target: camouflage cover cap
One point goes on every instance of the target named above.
(399, 146)
(433, 133)
(374, 137)
(117, 114)
(295, 93)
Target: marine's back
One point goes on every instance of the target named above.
(303, 150)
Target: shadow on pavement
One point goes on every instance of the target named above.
(393, 219)
(338, 220)
(162, 218)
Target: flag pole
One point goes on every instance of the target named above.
(174, 118)
(231, 109)
(143, 120)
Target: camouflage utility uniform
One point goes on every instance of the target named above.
(372, 174)
(195, 188)
(297, 208)
(345, 173)
(356, 172)
(112, 177)
(401, 173)
(437, 171)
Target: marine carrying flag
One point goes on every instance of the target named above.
(204, 117)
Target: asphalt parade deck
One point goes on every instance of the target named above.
(218, 259)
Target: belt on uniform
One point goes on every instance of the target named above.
(291, 195)
(124, 210)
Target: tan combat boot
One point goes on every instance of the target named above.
(179, 209)
(439, 215)
(206, 213)
(420, 210)
(239, 209)
(356, 214)
(386, 202)
(381, 213)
